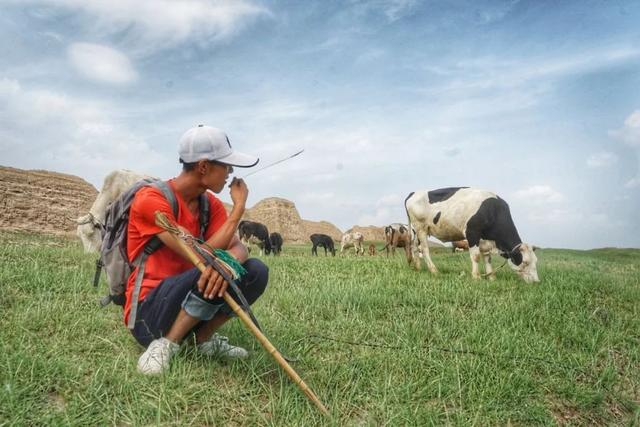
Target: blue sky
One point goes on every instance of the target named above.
(538, 101)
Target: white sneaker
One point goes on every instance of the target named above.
(218, 346)
(157, 356)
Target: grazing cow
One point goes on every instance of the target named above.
(256, 233)
(276, 243)
(322, 240)
(372, 249)
(480, 217)
(397, 236)
(90, 225)
(354, 239)
(459, 245)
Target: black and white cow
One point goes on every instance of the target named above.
(276, 243)
(256, 233)
(322, 240)
(479, 216)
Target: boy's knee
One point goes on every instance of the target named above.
(258, 272)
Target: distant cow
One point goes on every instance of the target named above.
(459, 245)
(372, 249)
(90, 225)
(480, 217)
(276, 243)
(354, 239)
(397, 236)
(322, 240)
(256, 233)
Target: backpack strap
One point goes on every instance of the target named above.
(150, 247)
(168, 194)
(140, 262)
(205, 209)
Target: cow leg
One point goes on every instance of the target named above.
(424, 246)
(407, 252)
(415, 254)
(488, 268)
(474, 253)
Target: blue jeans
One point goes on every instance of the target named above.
(159, 309)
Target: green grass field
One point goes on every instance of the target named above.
(379, 343)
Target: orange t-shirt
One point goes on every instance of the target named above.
(163, 262)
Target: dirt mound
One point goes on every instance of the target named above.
(42, 201)
(322, 227)
(281, 215)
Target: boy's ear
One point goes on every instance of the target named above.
(202, 166)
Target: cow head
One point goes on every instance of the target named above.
(89, 231)
(524, 261)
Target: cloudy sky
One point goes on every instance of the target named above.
(538, 101)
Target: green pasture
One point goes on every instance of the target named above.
(379, 343)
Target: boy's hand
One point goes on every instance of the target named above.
(239, 191)
(211, 283)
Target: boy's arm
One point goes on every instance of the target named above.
(225, 237)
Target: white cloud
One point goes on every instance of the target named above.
(488, 73)
(633, 183)
(378, 218)
(389, 200)
(388, 209)
(318, 197)
(451, 151)
(47, 130)
(101, 63)
(601, 160)
(397, 9)
(630, 132)
(572, 217)
(156, 24)
(494, 13)
(9, 87)
(370, 55)
(539, 195)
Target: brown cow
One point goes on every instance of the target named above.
(397, 236)
(460, 245)
(372, 249)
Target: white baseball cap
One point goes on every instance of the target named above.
(205, 142)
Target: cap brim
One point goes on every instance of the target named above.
(240, 160)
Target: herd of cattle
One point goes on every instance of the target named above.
(471, 219)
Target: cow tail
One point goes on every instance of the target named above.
(410, 227)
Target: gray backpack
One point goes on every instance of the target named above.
(113, 252)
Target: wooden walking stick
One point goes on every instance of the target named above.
(175, 233)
